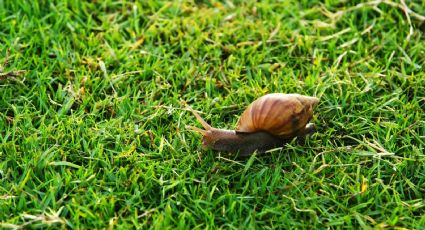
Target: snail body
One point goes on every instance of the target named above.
(269, 122)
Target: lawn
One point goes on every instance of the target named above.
(92, 116)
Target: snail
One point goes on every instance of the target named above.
(269, 122)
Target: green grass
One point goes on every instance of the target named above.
(92, 133)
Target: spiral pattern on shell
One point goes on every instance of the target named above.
(277, 113)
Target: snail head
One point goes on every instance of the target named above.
(209, 134)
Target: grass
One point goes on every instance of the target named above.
(92, 124)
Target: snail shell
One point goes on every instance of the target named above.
(277, 113)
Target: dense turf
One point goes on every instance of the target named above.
(92, 133)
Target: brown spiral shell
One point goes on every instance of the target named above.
(277, 113)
